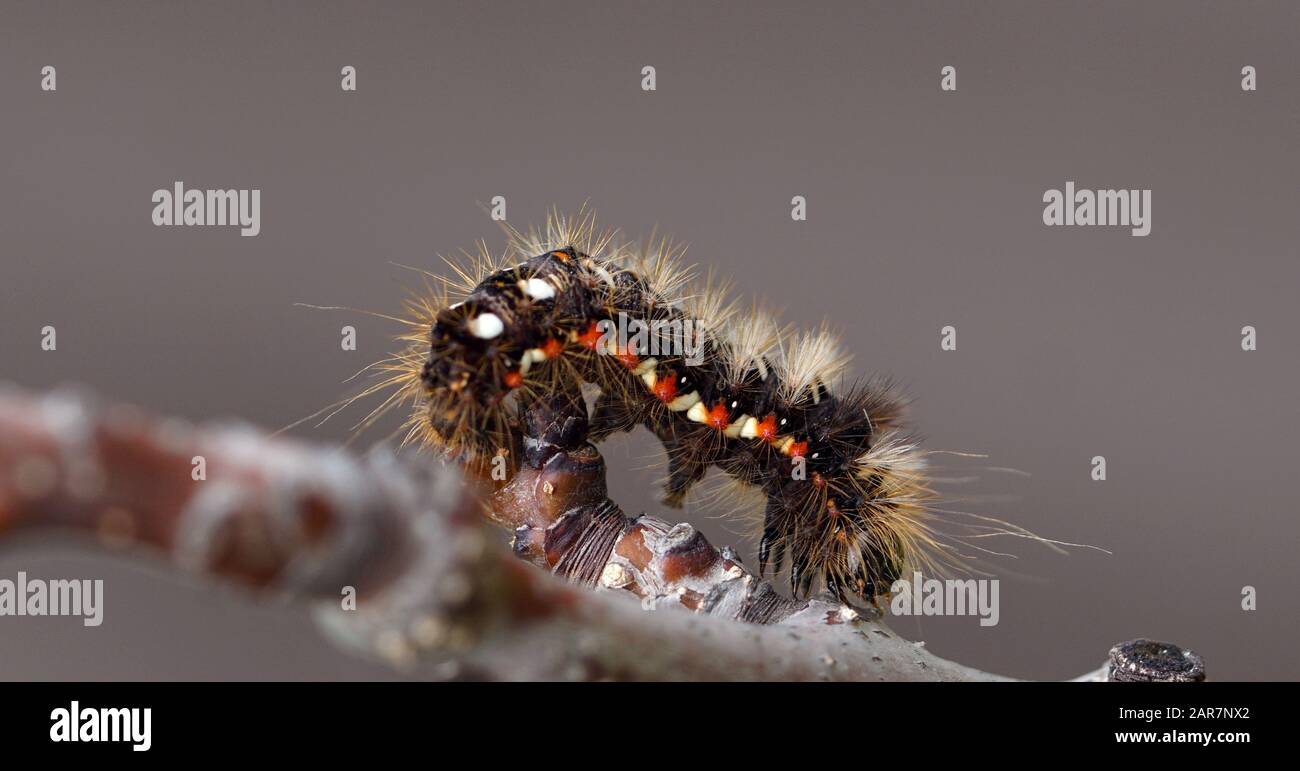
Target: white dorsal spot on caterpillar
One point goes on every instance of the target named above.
(485, 326)
(537, 289)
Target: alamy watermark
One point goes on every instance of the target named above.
(1126, 208)
(933, 597)
(237, 208)
(103, 724)
(658, 337)
(56, 597)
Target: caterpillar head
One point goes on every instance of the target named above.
(465, 377)
(488, 348)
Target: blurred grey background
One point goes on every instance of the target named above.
(924, 210)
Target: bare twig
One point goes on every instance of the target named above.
(437, 594)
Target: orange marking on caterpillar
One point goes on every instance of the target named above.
(628, 359)
(553, 348)
(591, 337)
(797, 449)
(767, 428)
(665, 389)
(513, 379)
(718, 417)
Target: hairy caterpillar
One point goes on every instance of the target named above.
(845, 487)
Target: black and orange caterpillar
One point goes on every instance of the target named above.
(845, 487)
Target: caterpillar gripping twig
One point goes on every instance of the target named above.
(845, 487)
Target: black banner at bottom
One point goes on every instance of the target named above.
(241, 720)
